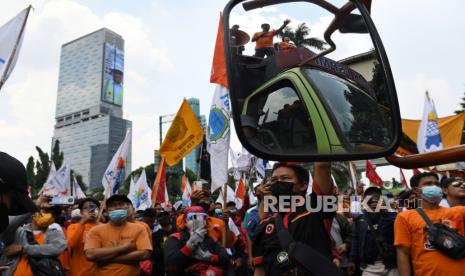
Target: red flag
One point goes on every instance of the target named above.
(159, 185)
(416, 171)
(240, 192)
(403, 180)
(183, 183)
(218, 73)
(372, 175)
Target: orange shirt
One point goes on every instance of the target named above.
(266, 41)
(76, 235)
(23, 268)
(146, 226)
(409, 232)
(286, 46)
(107, 235)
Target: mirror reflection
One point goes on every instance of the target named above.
(302, 89)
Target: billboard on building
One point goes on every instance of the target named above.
(113, 74)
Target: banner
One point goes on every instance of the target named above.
(11, 39)
(183, 136)
(114, 173)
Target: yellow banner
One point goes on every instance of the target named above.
(450, 129)
(183, 136)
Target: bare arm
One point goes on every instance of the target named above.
(323, 177)
(403, 261)
(106, 254)
(132, 257)
(259, 271)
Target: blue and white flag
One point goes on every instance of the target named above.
(429, 138)
(11, 39)
(114, 174)
(140, 192)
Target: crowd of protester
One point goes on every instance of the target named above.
(206, 238)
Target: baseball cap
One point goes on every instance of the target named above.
(449, 180)
(115, 198)
(13, 178)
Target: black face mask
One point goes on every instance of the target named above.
(164, 221)
(282, 188)
(204, 205)
(3, 217)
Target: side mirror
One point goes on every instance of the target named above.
(298, 95)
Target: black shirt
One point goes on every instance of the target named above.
(159, 239)
(303, 225)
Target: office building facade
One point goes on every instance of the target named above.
(193, 156)
(89, 111)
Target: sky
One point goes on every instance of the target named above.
(168, 53)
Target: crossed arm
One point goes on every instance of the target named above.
(125, 253)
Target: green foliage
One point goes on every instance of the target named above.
(42, 170)
(30, 172)
(300, 37)
(96, 193)
(191, 175)
(57, 155)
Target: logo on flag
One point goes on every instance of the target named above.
(219, 123)
(432, 131)
(428, 137)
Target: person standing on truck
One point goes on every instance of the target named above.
(264, 39)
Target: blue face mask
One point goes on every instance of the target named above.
(118, 214)
(432, 193)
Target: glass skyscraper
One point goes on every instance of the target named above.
(89, 115)
(191, 158)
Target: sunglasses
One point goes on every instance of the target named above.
(457, 184)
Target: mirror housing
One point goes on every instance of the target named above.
(321, 135)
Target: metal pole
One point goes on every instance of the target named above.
(161, 128)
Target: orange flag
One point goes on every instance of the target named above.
(159, 185)
(240, 192)
(218, 73)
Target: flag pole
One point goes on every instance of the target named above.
(12, 55)
(226, 224)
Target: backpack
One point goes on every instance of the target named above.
(45, 265)
(443, 238)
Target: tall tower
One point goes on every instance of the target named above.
(89, 115)
(191, 158)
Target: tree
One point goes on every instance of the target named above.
(191, 175)
(42, 170)
(31, 175)
(57, 155)
(300, 37)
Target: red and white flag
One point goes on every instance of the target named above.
(372, 175)
(416, 171)
(240, 193)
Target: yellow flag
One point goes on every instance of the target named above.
(183, 136)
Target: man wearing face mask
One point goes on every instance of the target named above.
(191, 251)
(159, 240)
(414, 251)
(76, 233)
(42, 238)
(118, 246)
(308, 229)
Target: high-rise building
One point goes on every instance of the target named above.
(89, 114)
(191, 158)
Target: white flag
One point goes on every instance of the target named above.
(186, 194)
(113, 177)
(51, 175)
(11, 39)
(218, 137)
(140, 193)
(310, 183)
(230, 196)
(429, 138)
(60, 184)
(77, 191)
